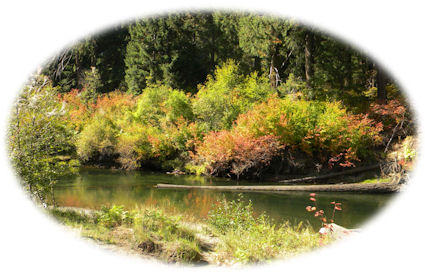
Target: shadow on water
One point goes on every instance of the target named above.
(94, 188)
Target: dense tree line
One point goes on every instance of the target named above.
(180, 50)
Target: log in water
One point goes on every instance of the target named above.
(351, 187)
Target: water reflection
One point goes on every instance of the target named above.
(95, 188)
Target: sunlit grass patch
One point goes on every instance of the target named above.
(230, 234)
(249, 239)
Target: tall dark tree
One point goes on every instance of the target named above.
(380, 83)
(264, 39)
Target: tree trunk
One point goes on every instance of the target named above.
(348, 80)
(309, 58)
(274, 73)
(352, 187)
(257, 65)
(382, 93)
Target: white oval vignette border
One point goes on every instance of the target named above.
(32, 244)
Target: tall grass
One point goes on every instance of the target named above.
(230, 234)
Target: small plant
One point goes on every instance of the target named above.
(166, 236)
(233, 214)
(246, 238)
(320, 214)
(114, 216)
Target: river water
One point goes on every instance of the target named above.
(94, 188)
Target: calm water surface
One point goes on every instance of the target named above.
(94, 188)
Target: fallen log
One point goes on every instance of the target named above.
(387, 187)
(325, 176)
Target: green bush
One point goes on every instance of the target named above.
(133, 147)
(159, 102)
(38, 134)
(296, 87)
(174, 242)
(114, 216)
(227, 94)
(98, 139)
(249, 239)
(232, 215)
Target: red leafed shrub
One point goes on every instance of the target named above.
(227, 152)
(396, 120)
(390, 114)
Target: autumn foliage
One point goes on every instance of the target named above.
(237, 153)
(235, 126)
(324, 131)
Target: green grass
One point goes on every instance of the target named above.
(231, 234)
(376, 180)
(249, 239)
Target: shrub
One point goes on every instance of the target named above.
(77, 112)
(38, 135)
(247, 239)
(400, 159)
(115, 103)
(159, 102)
(132, 147)
(114, 216)
(295, 87)
(172, 240)
(396, 119)
(230, 215)
(227, 94)
(97, 140)
(139, 144)
(325, 131)
(237, 153)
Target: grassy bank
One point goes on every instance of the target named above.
(231, 233)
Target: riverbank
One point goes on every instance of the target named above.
(231, 234)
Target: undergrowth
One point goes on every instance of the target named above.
(232, 233)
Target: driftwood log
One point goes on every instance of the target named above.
(387, 187)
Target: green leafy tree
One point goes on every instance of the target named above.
(39, 137)
(159, 103)
(227, 94)
(91, 85)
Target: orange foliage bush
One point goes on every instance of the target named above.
(324, 131)
(114, 101)
(78, 112)
(227, 152)
(108, 104)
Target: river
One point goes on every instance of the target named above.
(94, 188)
